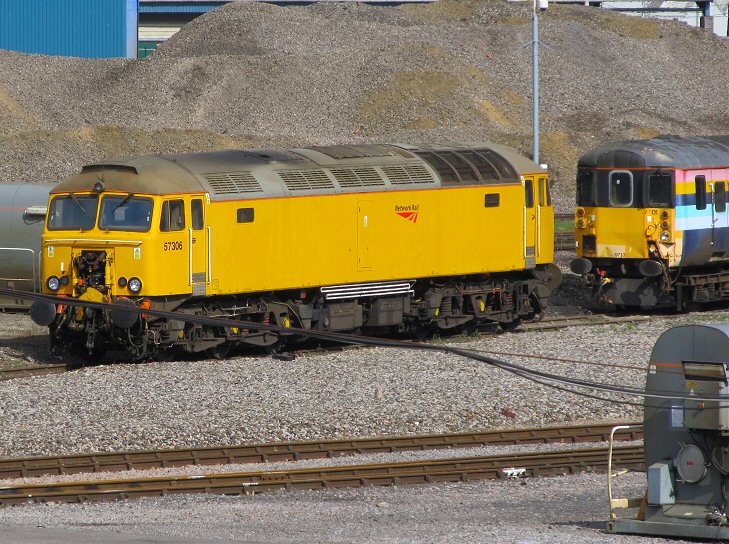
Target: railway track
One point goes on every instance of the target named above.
(381, 474)
(545, 324)
(564, 240)
(25, 372)
(561, 322)
(295, 451)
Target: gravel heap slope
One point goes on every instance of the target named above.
(251, 74)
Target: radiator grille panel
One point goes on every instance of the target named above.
(304, 180)
(405, 175)
(357, 177)
(224, 183)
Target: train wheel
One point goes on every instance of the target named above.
(221, 351)
(92, 357)
(510, 325)
(423, 333)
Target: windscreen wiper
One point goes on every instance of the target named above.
(77, 201)
(123, 202)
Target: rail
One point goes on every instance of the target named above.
(564, 240)
(382, 474)
(294, 451)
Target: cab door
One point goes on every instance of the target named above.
(530, 223)
(720, 217)
(542, 211)
(173, 234)
(363, 235)
(199, 240)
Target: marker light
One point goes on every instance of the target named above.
(665, 236)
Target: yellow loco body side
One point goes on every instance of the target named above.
(379, 239)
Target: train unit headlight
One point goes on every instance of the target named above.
(135, 285)
(665, 236)
(53, 283)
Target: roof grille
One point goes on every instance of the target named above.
(403, 175)
(303, 180)
(224, 183)
(357, 177)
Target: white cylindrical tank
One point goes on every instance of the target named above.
(22, 217)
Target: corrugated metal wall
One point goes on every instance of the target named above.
(76, 28)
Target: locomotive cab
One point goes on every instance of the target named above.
(649, 215)
(101, 245)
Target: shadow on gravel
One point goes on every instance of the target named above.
(31, 349)
(598, 525)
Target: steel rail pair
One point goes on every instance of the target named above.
(383, 474)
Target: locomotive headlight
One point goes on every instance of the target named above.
(53, 283)
(665, 236)
(135, 285)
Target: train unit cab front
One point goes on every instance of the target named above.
(109, 245)
(651, 223)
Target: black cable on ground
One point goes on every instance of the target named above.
(519, 370)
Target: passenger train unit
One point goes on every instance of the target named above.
(374, 239)
(652, 225)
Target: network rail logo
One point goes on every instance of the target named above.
(409, 212)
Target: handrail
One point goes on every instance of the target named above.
(617, 503)
(34, 279)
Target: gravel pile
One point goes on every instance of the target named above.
(354, 393)
(253, 74)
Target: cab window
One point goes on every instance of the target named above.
(73, 212)
(720, 196)
(660, 190)
(621, 188)
(541, 191)
(173, 216)
(126, 213)
(586, 188)
(198, 217)
(549, 194)
(529, 193)
(700, 187)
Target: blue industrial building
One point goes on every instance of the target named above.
(105, 28)
(160, 19)
(75, 28)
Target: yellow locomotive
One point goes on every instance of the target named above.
(365, 238)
